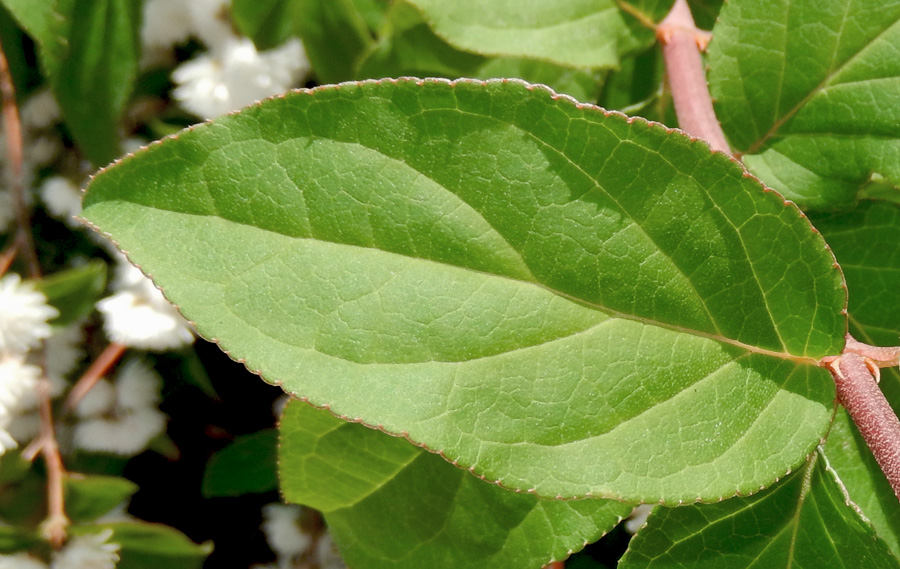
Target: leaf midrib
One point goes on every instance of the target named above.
(612, 313)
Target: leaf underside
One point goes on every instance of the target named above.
(560, 299)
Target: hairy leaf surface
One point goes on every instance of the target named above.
(807, 91)
(804, 522)
(390, 504)
(527, 285)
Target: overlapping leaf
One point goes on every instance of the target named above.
(803, 522)
(560, 299)
(575, 33)
(807, 91)
(390, 504)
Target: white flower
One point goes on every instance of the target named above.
(40, 110)
(638, 518)
(170, 22)
(165, 23)
(16, 380)
(237, 75)
(211, 21)
(21, 561)
(139, 316)
(63, 199)
(137, 386)
(88, 552)
(98, 401)
(282, 530)
(327, 555)
(24, 313)
(124, 418)
(64, 349)
(125, 435)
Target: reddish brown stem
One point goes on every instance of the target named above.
(882, 357)
(98, 369)
(556, 565)
(54, 527)
(6, 258)
(14, 152)
(687, 78)
(873, 415)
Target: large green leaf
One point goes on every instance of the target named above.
(575, 33)
(562, 300)
(807, 91)
(89, 50)
(390, 504)
(805, 521)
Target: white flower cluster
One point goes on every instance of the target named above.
(92, 551)
(232, 73)
(24, 314)
(138, 315)
(121, 418)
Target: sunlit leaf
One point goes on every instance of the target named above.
(529, 286)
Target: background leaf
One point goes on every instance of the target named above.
(151, 546)
(478, 266)
(89, 50)
(247, 465)
(73, 292)
(803, 522)
(89, 497)
(266, 22)
(575, 33)
(408, 47)
(807, 92)
(390, 504)
(334, 34)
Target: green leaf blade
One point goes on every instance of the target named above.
(482, 269)
(245, 466)
(806, 91)
(574, 33)
(390, 504)
(803, 522)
